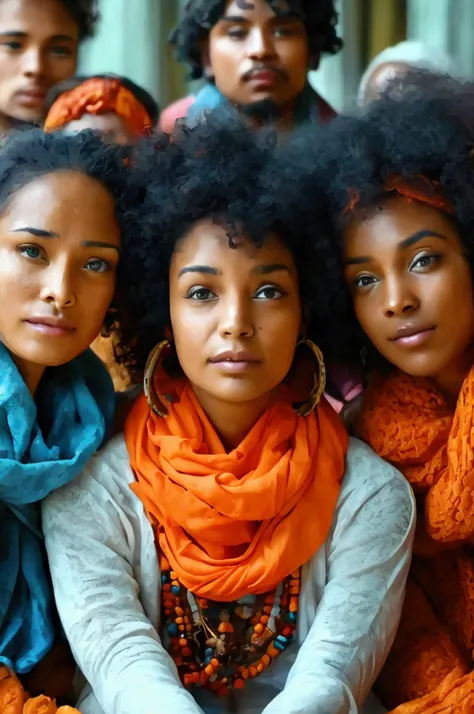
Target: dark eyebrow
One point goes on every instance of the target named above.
(206, 269)
(37, 232)
(234, 18)
(272, 268)
(411, 240)
(99, 244)
(22, 35)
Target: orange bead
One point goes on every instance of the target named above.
(179, 621)
(167, 613)
(173, 575)
(287, 632)
(174, 584)
(294, 604)
(294, 590)
(264, 619)
(296, 574)
(166, 587)
(269, 600)
(259, 629)
(239, 684)
(179, 611)
(181, 628)
(272, 651)
(188, 680)
(209, 670)
(183, 642)
(294, 582)
(164, 565)
(244, 672)
(214, 662)
(189, 628)
(266, 660)
(168, 603)
(260, 667)
(196, 677)
(204, 677)
(268, 609)
(187, 652)
(253, 671)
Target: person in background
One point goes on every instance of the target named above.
(62, 222)
(107, 103)
(398, 60)
(39, 43)
(255, 55)
(124, 112)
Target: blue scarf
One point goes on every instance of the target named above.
(74, 405)
(209, 98)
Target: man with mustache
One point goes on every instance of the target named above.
(255, 56)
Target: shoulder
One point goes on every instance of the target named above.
(105, 480)
(373, 483)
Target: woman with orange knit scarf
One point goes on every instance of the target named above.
(402, 202)
(233, 550)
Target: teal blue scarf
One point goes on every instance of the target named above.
(44, 444)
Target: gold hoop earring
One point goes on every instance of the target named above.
(319, 380)
(152, 397)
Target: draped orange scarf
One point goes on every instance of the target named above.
(409, 424)
(14, 699)
(96, 96)
(238, 523)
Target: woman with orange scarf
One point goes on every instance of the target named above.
(402, 203)
(233, 550)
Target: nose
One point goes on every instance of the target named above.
(399, 298)
(33, 62)
(58, 288)
(261, 45)
(236, 318)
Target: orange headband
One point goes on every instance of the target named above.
(97, 96)
(418, 188)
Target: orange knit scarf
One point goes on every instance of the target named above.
(236, 523)
(408, 423)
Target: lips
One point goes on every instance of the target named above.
(31, 97)
(239, 357)
(412, 335)
(50, 325)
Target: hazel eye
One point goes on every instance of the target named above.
(364, 281)
(268, 292)
(97, 265)
(33, 252)
(200, 294)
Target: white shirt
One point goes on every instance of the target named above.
(106, 579)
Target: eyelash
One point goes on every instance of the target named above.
(23, 250)
(240, 34)
(433, 258)
(193, 292)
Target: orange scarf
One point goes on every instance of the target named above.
(97, 96)
(408, 423)
(14, 699)
(237, 523)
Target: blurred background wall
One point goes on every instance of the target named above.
(132, 41)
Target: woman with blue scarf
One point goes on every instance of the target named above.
(62, 203)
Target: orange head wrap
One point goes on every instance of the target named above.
(419, 188)
(97, 96)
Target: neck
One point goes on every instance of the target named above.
(6, 124)
(449, 383)
(233, 420)
(31, 373)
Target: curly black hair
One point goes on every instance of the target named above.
(27, 155)
(423, 125)
(85, 13)
(199, 16)
(140, 94)
(217, 170)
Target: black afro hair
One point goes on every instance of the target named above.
(199, 16)
(218, 170)
(85, 13)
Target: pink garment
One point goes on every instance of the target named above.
(176, 110)
(348, 384)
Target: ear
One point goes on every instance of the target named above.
(206, 59)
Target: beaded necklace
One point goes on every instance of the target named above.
(242, 642)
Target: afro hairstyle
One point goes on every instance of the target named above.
(423, 125)
(27, 155)
(200, 16)
(217, 170)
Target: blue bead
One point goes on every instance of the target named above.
(173, 629)
(176, 590)
(209, 652)
(279, 645)
(207, 660)
(291, 617)
(165, 578)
